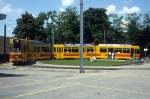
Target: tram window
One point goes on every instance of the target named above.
(38, 49)
(84, 49)
(54, 49)
(126, 50)
(103, 49)
(44, 49)
(67, 49)
(27, 49)
(34, 49)
(118, 50)
(23, 48)
(59, 50)
(16, 45)
(137, 51)
(90, 49)
(75, 50)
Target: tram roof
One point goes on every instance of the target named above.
(78, 45)
(115, 45)
(35, 42)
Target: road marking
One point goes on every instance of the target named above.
(7, 98)
(46, 90)
(114, 75)
(20, 85)
(118, 75)
(31, 83)
(86, 75)
(24, 84)
(117, 89)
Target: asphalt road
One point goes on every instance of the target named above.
(46, 83)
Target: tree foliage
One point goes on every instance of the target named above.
(96, 22)
(132, 28)
(26, 27)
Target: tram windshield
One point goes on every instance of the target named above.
(16, 45)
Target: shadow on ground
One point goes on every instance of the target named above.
(24, 64)
(2, 75)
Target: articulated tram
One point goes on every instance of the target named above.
(101, 51)
(22, 51)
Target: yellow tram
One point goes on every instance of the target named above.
(101, 51)
(70, 51)
(22, 51)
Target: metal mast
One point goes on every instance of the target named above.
(81, 37)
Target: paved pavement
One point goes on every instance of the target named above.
(131, 82)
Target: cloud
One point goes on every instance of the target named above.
(111, 9)
(131, 10)
(6, 9)
(66, 3)
(61, 9)
(12, 14)
(124, 23)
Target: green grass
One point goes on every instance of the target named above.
(88, 63)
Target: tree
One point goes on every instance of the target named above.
(96, 22)
(26, 27)
(117, 22)
(68, 26)
(133, 27)
(144, 38)
(40, 21)
(51, 22)
(146, 30)
(117, 33)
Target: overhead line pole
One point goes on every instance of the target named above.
(5, 56)
(3, 17)
(81, 37)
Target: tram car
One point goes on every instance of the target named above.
(101, 51)
(23, 51)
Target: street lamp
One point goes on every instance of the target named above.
(104, 33)
(3, 17)
(145, 51)
(81, 37)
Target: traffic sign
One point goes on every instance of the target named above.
(2, 16)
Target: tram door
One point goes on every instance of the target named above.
(111, 54)
(59, 52)
(132, 53)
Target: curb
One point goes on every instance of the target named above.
(125, 67)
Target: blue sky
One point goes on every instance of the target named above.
(14, 8)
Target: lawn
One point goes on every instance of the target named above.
(76, 62)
